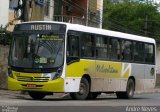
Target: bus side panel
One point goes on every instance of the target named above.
(75, 71)
(108, 76)
(150, 76)
(138, 74)
(105, 75)
(112, 75)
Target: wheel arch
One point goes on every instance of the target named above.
(134, 80)
(88, 79)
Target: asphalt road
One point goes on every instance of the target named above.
(104, 103)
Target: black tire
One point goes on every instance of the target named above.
(129, 91)
(37, 95)
(93, 95)
(83, 92)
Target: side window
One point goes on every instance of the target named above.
(114, 49)
(73, 45)
(101, 46)
(126, 50)
(138, 52)
(87, 45)
(149, 53)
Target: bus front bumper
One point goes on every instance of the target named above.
(56, 85)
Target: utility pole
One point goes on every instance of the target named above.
(146, 20)
(146, 25)
(25, 10)
(87, 16)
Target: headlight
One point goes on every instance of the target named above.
(58, 73)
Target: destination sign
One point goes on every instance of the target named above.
(40, 27)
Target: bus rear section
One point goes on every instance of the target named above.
(108, 62)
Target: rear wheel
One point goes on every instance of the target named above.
(129, 90)
(37, 95)
(83, 90)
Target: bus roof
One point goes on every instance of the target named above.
(83, 28)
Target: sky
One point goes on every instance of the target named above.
(157, 1)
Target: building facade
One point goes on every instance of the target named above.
(4, 6)
(85, 12)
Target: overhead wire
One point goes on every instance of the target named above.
(131, 29)
(78, 7)
(115, 24)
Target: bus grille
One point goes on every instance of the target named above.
(32, 79)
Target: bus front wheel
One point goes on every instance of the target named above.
(129, 93)
(37, 95)
(83, 90)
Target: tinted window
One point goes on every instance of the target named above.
(126, 50)
(149, 51)
(87, 45)
(101, 46)
(73, 45)
(114, 48)
(138, 51)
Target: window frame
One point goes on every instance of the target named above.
(153, 57)
(109, 50)
(102, 47)
(92, 45)
(131, 50)
(107, 58)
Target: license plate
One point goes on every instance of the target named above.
(31, 85)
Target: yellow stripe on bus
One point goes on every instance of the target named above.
(98, 69)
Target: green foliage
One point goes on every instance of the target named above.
(5, 37)
(132, 17)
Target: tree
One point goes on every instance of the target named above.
(132, 17)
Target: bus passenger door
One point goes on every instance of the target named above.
(72, 48)
(73, 69)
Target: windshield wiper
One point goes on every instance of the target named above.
(59, 49)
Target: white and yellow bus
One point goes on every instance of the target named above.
(57, 57)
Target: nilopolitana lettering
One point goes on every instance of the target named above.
(106, 69)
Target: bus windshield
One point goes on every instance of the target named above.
(37, 51)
